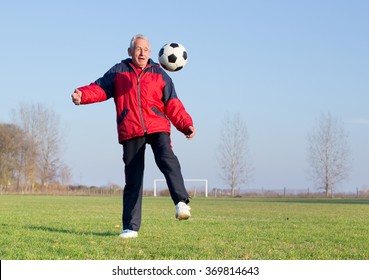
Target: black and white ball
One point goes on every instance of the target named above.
(173, 57)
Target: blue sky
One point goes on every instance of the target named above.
(277, 63)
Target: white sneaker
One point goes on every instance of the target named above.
(182, 211)
(127, 233)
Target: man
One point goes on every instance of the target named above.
(146, 102)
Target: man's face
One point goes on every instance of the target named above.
(140, 53)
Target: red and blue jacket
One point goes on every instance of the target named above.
(145, 102)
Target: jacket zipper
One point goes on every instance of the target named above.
(139, 101)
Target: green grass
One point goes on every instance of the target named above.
(57, 227)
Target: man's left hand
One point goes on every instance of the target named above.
(191, 131)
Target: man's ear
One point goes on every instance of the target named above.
(129, 52)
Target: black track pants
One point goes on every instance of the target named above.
(134, 160)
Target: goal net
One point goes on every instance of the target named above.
(194, 186)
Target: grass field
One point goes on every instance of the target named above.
(85, 228)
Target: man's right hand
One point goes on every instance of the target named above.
(77, 97)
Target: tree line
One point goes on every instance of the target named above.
(30, 151)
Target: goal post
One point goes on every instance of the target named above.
(205, 181)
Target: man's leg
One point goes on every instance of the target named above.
(134, 160)
(169, 165)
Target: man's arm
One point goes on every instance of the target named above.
(101, 90)
(88, 94)
(179, 117)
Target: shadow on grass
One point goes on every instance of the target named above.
(68, 231)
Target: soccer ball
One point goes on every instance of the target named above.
(173, 57)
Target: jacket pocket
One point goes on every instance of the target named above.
(157, 112)
(122, 116)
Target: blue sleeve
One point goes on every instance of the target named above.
(169, 91)
(107, 82)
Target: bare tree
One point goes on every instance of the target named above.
(49, 144)
(328, 154)
(65, 176)
(42, 160)
(232, 152)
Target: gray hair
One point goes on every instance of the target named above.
(134, 38)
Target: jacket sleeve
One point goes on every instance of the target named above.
(92, 93)
(101, 90)
(174, 108)
(178, 115)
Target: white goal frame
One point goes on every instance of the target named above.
(186, 180)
